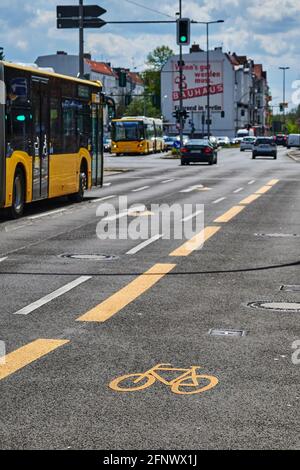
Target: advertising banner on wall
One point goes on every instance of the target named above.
(195, 86)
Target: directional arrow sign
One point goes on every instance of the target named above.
(72, 11)
(75, 23)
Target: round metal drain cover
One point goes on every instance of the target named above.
(90, 257)
(281, 306)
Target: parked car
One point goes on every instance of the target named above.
(198, 150)
(223, 141)
(107, 144)
(247, 143)
(281, 139)
(264, 146)
(293, 140)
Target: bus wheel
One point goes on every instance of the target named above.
(78, 197)
(18, 201)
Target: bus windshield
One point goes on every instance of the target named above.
(127, 131)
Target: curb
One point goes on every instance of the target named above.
(293, 157)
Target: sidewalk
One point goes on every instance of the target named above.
(294, 154)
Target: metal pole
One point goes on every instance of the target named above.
(283, 96)
(208, 83)
(81, 41)
(180, 84)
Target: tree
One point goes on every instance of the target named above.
(159, 57)
(2, 56)
(142, 106)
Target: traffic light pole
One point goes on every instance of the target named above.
(81, 40)
(208, 84)
(180, 85)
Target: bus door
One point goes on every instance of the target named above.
(40, 138)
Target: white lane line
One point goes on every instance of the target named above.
(104, 198)
(219, 200)
(17, 227)
(251, 182)
(238, 190)
(3, 259)
(191, 216)
(106, 184)
(133, 209)
(45, 300)
(140, 189)
(192, 188)
(167, 181)
(139, 247)
(45, 214)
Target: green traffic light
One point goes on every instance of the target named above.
(183, 38)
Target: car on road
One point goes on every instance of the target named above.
(247, 143)
(281, 139)
(265, 147)
(198, 150)
(107, 144)
(222, 141)
(213, 140)
(293, 140)
(169, 141)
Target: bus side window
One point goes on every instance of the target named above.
(69, 127)
(17, 130)
(55, 126)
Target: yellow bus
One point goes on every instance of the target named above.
(137, 135)
(51, 136)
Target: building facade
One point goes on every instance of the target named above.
(238, 92)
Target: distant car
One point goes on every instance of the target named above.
(264, 146)
(169, 141)
(281, 139)
(213, 140)
(198, 150)
(234, 140)
(247, 143)
(223, 141)
(293, 140)
(107, 144)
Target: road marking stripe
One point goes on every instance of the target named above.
(140, 189)
(195, 242)
(142, 245)
(251, 182)
(104, 198)
(272, 182)
(219, 200)
(27, 354)
(191, 216)
(3, 259)
(45, 214)
(48, 298)
(167, 181)
(106, 184)
(238, 190)
(250, 199)
(229, 214)
(192, 188)
(128, 294)
(263, 190)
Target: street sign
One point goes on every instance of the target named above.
(66, 23)
(72, 11)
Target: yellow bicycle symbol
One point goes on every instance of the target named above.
(188, 383)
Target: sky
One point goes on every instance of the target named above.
(268, 31)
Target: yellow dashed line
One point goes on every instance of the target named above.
(128, 294)
(229, 214)
(29, 353)
(196, 242)
(250, 199)
(272, 182)
(263, 190)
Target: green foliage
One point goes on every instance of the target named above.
(159, 57)
(2, 56)
(142, 107)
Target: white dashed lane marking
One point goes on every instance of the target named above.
(238, 190)
(140, 189)
(219, 200)
(139, 247)
(48, 298)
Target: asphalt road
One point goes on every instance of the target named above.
(107, 319)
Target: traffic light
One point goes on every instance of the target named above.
(281, 107)
(176, 115)
(183, 31)
(222, 114)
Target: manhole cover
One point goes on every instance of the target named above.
(277, 235)
(291, 288)
(281, 306)
(220, 332)
(89, 257)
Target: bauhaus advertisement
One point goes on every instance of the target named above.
(195, 90)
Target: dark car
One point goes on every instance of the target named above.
(281, 139)
(198, 151)
(264, 146)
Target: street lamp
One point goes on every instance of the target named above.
(207, 23)
(283, 91)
